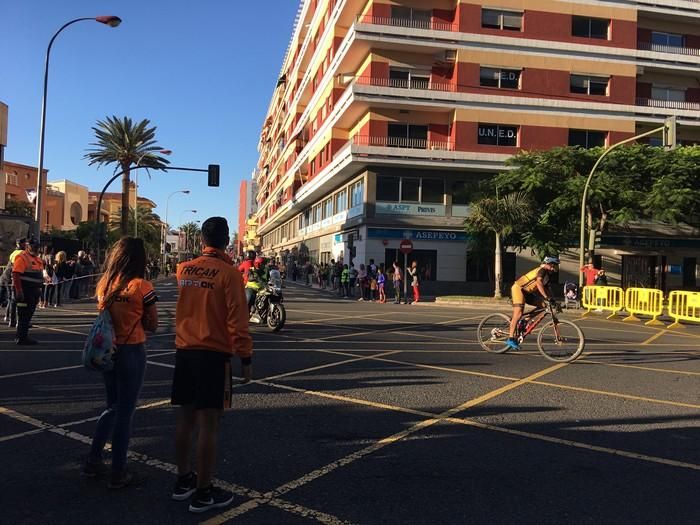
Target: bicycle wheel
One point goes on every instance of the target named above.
(561, 342)
(493, 332)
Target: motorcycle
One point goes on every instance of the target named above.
(267, 307)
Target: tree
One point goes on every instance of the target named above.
(121, 142)
(149, 228)
(21, 208)
(501, 217)
(555, 179)
(192, 232)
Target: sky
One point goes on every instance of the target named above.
(202, 71)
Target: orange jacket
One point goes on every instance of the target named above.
(212, 311)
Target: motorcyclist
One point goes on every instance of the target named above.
(256, 281)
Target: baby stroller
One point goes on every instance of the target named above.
(571, 298)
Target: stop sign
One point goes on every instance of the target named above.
(406, 246)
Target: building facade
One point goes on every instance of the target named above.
(387, 113)
(247, 208)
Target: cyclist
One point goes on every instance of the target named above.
(532, 288)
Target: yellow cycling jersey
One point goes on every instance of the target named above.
(528, 282)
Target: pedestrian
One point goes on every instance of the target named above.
(362, 279)
(413, 272)
(11, 312)
(381, 279)
(372, 279)
(590, 273)
(131, 302)
(61, 272)
(27, 278)
(396, 278)
(344, 281)
(211, 326)
(352, 280)
(601, 279)
(47, 298)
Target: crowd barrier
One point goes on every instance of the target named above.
(605, 298)
(683, 306)
(644, 301)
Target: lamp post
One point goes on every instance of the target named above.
(136, 187)
(111, 21)
(167, 226)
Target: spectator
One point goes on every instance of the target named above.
(601, 279)
(381, 279)
(362, 278)
(352, 280)
(344, 281)
(211, 325)
(396, 278)
(413, 272)
(131, 302)
(589, 273)
(61, 273)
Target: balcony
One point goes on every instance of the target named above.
(402, 142)
(415, 83)
(676, 50)
(425, 24)
(668, 104)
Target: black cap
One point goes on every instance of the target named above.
(20, 241)
(33, 242)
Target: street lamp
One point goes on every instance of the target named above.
(186, 211)
(167, 226)
(136, 186)
(111, 21)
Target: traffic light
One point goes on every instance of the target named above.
(213, 174)
(670, 132)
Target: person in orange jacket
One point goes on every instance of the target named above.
(211, 326)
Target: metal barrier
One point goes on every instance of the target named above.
(610, 298)
(683, 306)
(644, 301)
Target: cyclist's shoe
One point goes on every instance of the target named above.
(512, 343)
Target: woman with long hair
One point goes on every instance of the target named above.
(131, 302)
(60, 271)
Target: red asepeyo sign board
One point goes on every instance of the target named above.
(406, 246)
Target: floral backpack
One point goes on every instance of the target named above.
(99, 349)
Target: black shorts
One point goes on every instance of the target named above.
(202, 378)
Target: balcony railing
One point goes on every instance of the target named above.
(402, 142)
(668, 104)
(430, 25)
(658, 48)
(414, 83)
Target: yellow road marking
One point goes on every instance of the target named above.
(654, 337)
(311, 476)
(288, 506)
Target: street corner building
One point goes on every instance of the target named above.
(387, 114)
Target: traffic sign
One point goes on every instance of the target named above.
(406, 246)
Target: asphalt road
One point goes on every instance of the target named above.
(372, 413)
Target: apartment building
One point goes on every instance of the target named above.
(387, 113)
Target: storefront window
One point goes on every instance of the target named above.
(433, 191)
(410, 189)
(388, 189)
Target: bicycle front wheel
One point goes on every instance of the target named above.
(561, 342)
(493, 332)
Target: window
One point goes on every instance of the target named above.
(587, 139)
(341, 201)
(433, 191)
(405, 78)
(460, 193)
(410, 189)
(590, 27)
(500, 78)
(498, 19)
(317, 213)
(408, 136)
(327, 208)
(388, 189)
(498, 135)
(357, 193)
(667, 39)
(11, 178)
(412, 17)
(588, 85)
(668, 93)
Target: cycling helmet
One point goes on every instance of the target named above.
(250, 255)
(259, 262)
(551, 260)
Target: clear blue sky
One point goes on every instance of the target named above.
(203, 72)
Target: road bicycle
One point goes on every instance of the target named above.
(557, 340)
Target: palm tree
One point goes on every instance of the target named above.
(149, 227)
(192, 233)
(500, 217)
(121, 142)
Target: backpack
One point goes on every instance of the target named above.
(98, 352)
